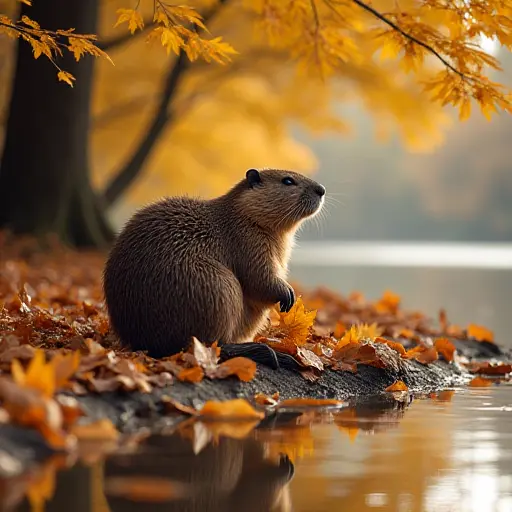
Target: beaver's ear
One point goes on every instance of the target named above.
(253, 177)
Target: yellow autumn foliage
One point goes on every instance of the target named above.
(257, 67)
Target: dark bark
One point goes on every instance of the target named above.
(44, 183)
(163, 115)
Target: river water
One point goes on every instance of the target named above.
(447, 453)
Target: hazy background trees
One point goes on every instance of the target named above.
(400, 166)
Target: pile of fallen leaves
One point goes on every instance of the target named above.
(55, 342)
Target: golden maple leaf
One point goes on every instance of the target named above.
(297, 323)
(359, 332)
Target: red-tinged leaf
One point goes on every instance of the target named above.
(241, 367)
(172, 405)
(480, 333)
(230, 409)
(309, 358)
(397, 386)
(487, 368)
(446, 348)
(194, 374)
(480, 382)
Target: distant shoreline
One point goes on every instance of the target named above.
(404, 254)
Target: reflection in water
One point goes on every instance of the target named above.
(447, 453)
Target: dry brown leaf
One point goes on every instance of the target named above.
(490, 369)
(422, 354)
(397, 347)
(397, 386)
(480, 333)
(21, 352)
(206, 357)
(240, 429)
(309, 358)
(230, 409)
(172, 405)
(241, 367)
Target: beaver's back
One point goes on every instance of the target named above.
(164, 271)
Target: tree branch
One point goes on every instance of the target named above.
(129, 172)
(394, 26)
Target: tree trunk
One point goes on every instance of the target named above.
(44, 172)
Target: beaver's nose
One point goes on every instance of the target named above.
(320, 190)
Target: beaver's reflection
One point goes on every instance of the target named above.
(229, 475)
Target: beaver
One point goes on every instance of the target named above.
(186, 267)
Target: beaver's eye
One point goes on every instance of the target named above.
(288, 181)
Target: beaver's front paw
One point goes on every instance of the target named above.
(288, 300)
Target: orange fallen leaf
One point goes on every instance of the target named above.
(100, 430)
(406, 333)
(194, 374)
(480, 382)
(230, 409)
(39, 375)
(262, 399)
(240, 429)
(422, 354)
(397, 386)
(310, 402)
(445, 347)
(241, 367)
(480, 333)
(455, 330)
(397, 347)
(358, 333)
(388, 303)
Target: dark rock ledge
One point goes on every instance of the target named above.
(132, 411)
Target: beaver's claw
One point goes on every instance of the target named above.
(288, 300)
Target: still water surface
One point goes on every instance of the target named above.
(448, 453)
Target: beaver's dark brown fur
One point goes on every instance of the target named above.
(184, 267)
